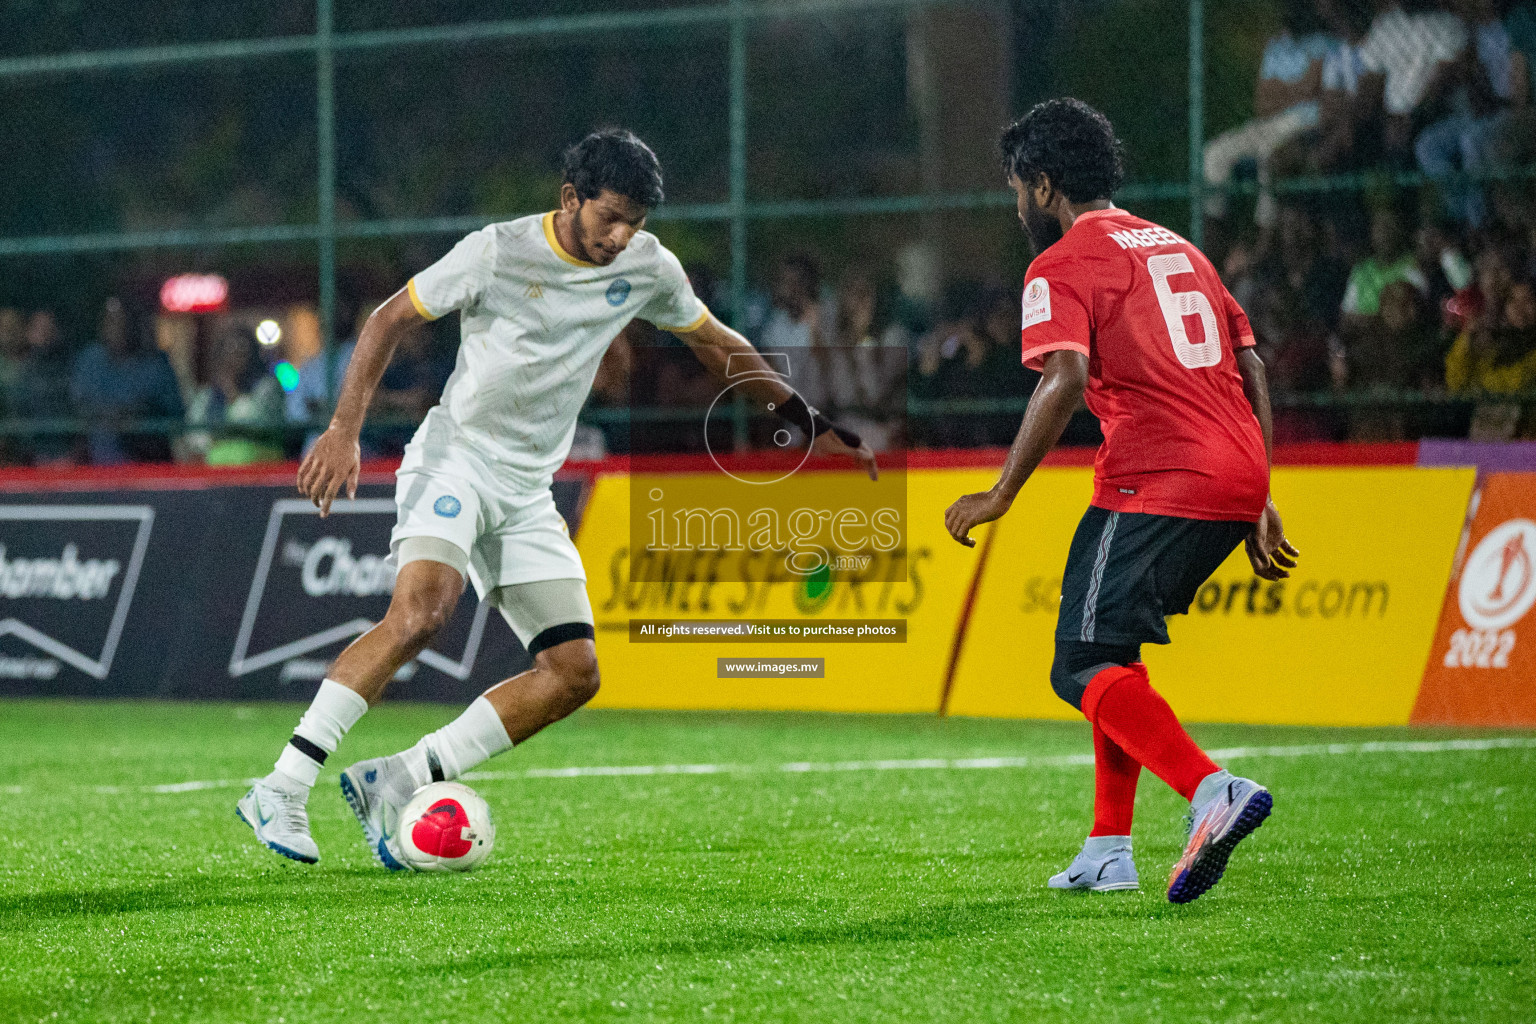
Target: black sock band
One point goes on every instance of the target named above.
(434, 766)
(307, 748)
(554, 636)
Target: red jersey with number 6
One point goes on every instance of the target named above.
(1161, 334)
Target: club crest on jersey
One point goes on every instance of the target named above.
(618, 292)
(447, 506)
(1037, 301)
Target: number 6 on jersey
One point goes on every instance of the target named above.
(1177, 305)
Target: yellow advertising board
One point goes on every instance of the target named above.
(1343, 642)
(651, 670)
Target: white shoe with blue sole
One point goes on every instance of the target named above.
(280, 822)
(366, 788)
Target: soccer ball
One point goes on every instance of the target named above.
(445, 826)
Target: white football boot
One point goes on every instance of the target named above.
(376, 790)
(1100, 867)
(1215, 829)
(280, 822)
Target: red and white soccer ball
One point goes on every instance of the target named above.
(446, 826)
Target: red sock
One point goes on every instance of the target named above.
(1121, 701)
(1114, 787)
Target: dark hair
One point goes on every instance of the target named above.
(614, 159)
(804, 265)
(1071, 144)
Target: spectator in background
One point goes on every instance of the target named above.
(319, 379)
(974, 355)
(1496, 355)
(1295, 290)
(1409, 61)
(798, 314)
(13, 353)
(1437, 251)
(119, 378)
(1310, 281)
(1345, 113)
(1390, 260)
(1479, 88)
(240, 392)
(1285, 105)
(42, 391)
(858, 371)
(1397, 351)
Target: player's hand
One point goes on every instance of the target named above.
(970, 511)
(332, 464)
(1270, 554)
(828, 443)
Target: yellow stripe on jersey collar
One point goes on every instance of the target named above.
(554, 243)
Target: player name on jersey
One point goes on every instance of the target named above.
(1140, 238)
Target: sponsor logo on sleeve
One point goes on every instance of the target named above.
(447, 506)
(618, 292)
(1037, 301)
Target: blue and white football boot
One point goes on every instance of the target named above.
(373, 789)
(280, 822)
(1216, 826)
(1104, 865)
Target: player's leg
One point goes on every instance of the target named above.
(426, 592)
(553, 619)
(1147, 568)
(432, 552)
(1105, 861)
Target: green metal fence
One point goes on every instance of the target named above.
(737, 17)
(325, 43)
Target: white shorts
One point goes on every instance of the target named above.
(510, 538)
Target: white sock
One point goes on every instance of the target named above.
(1210, 786)
(473, 738)
(1097, 847)
(334, 710)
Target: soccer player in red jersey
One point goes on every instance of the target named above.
(1135, 318)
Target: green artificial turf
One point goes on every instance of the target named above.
(1387, 886)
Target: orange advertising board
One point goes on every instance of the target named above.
(1482, 666)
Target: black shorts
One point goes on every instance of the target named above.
(1127, 571)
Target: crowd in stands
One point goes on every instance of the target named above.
(122, 397)
(1371, 291)
(1376, 218)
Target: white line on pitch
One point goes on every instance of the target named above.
(912, 764)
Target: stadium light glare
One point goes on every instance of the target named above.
(269, 333)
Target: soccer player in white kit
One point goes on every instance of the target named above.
(540, 299)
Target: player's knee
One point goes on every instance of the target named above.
(1065, 682)
(574, 664)
(418, 621)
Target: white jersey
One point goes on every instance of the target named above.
(535, 322)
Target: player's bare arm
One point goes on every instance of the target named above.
(1058, 396)
(336, 458)
(714, 344)
(1269, 552)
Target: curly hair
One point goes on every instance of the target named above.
(1071, 144)
(614, 159)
